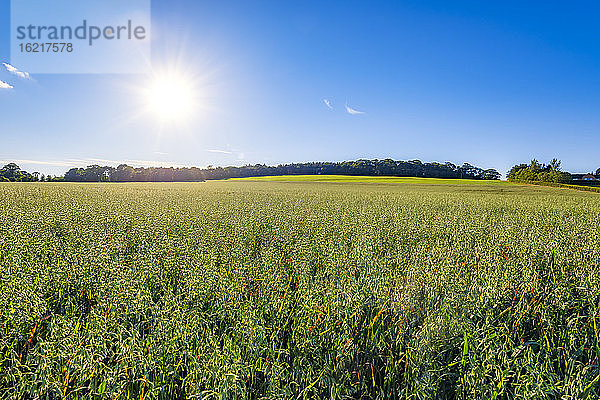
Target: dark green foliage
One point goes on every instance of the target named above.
(536, 172)
(13, 173)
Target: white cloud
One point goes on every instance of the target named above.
(219, 151)
(77, 162)
(328, 104)
(84, 162)
(37, 162)
(353, 111)
(15, 71)
(4, 85)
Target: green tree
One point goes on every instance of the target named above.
(536, 172)
(11, 171)
(123, 173)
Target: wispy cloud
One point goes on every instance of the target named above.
(353, 111)
(16, 71)
(328, 104)
(84, 162)
(39, 162)
(4, 85)
(133, 163)
(219, 151)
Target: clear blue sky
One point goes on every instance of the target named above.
(490, 83)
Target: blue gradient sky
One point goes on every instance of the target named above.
(490, 83)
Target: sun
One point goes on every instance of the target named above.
(171, 98)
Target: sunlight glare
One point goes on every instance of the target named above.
(171, 98)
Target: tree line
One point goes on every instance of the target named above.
(126, 173)
(388, 167)
(534, 171)
(13, 173)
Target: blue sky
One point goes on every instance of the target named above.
(490, 83)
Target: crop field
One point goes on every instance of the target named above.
(293, 290)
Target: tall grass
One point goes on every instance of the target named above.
(297, 290)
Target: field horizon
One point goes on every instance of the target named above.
(366, 179)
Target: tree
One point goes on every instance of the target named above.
(11, 167)
(123, 173)
(491, 174)
(96, 173)
(12, 172)
(72, 175)
(536, 172)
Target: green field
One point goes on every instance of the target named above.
(283, 290)
(368, 179)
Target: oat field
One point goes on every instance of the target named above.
(298, 290)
